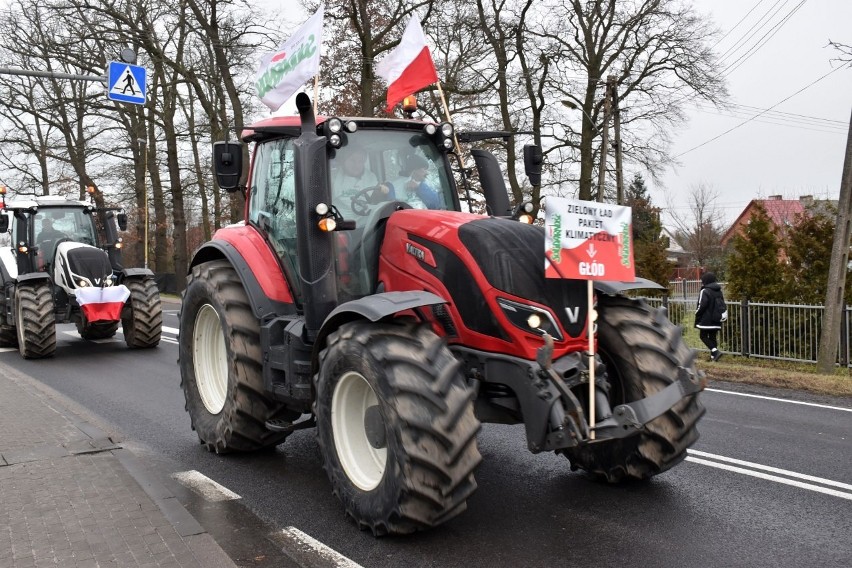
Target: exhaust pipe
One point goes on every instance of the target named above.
(317, 273)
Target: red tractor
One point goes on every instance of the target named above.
(358, 298)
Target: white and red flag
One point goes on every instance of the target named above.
(409, 67)
(297, 60)
(102, 304)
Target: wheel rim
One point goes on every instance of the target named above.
(209, 359)
(363, 463)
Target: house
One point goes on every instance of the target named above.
(679, 258)
(781, 212)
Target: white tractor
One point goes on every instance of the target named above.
(56, 267)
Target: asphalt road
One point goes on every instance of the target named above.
(768, 484)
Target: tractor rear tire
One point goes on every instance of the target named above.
(220, 364)
(395, 426)
(142, 317)
(642, 351)
(99, 330)
(35, 320)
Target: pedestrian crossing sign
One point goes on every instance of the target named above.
(126, 83)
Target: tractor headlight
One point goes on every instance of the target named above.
(430, 129)
(446, 129)
(335, 125)
(108, 282)
(83, 283)
(448, 143)
(529, 318)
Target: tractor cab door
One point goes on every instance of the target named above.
(272, 205)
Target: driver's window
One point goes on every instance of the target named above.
(272, 203)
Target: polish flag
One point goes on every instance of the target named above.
(408, 68)
(102, 304)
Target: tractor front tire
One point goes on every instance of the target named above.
(142, 317)
(642, 351)
(35, 320)
(220, 364)
(395, 426)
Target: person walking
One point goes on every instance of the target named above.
(711, 313)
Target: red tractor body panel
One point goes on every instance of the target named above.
(408, 261)
(260, 258)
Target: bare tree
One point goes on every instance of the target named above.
(660, 53)
(700, 231)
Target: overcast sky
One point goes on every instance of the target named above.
(802, 153)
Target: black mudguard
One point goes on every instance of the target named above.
(373, 308)
(613, 287)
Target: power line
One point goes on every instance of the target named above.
(771, 118)
(762, 21)
(753, 8)
(763, 112)
(761, 42)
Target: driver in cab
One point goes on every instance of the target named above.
(47, 238)
(350, 178)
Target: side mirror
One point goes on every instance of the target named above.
(122, 221)
(228, 164)
(533, 160)
(4, 222)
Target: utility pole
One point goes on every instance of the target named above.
(619, 174)
(834, 304)
(605, 137)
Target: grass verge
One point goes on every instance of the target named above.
(778, 374)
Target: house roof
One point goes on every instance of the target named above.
(780, 212)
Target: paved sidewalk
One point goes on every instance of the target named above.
(71, 496)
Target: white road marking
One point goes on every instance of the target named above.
(775, 478)
(168, 340)
(311, 545)
(7, 349)
(173, 330)
(202, 484)
(773, 469)
(781, 400)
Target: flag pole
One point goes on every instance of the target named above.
(450, 120)
(316, 92)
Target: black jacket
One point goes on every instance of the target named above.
(712, 310)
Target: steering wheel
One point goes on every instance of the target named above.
(368, 196)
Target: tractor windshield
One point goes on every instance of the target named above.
(71, 223)
(55, 224)
(378, 166)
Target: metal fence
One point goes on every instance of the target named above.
(769, 331)
(684, 289)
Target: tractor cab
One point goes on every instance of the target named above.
(39, 226)
(374, 168)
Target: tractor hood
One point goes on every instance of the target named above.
(483, 261)
(80, 265)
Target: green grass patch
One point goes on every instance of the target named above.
(778, 374)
